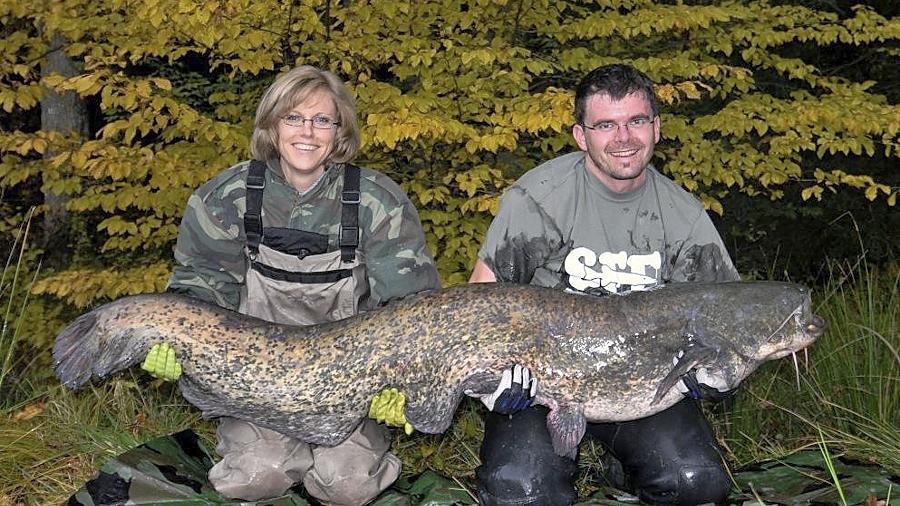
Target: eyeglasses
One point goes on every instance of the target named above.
(319, 122)
(633, 125)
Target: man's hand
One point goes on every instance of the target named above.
(698, 384)
(515, 392)
(387, 407)
(161, 362)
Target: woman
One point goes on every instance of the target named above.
(299, 236)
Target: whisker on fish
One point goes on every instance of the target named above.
(794, 314)
(796, 368)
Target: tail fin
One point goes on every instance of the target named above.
(74, 351)
(85, 347)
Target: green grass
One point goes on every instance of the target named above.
(10, 292)
(829, 464)
(849, 388)
(50, 446)
(848, 401)
(53, 439)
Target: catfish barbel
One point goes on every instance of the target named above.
(597, 359)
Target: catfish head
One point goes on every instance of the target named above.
(736, 327)
(770, 320)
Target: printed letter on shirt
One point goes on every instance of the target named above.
(614, 272)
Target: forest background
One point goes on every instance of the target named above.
(781, 116)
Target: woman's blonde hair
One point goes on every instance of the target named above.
(292, 88)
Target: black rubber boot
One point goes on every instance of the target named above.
(670, 457)
(519, 466)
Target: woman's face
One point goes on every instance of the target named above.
(303, 147)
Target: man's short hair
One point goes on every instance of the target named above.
(291, 89)
(617, 81)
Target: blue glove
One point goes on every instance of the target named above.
(695, 389)
(514, 393)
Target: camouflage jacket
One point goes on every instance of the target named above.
(558, 226)
(210, 253)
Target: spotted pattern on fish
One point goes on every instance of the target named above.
(596, 359)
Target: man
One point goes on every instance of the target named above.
(603, 221)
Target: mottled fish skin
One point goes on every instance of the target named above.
(597, 359)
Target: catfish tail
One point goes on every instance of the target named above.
(91, 346)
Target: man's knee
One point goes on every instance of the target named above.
(684, 485)
(671, 457)
(519, 466)
(518, 482)
(711, 483)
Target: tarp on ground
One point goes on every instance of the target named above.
(171, 470)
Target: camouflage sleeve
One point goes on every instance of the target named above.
(210, 263)
(397, 259)
(703, 256)
(520, 239)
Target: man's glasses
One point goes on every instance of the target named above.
(633, 125)
(320, 122)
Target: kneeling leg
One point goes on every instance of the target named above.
(519, 466)
(671, 457)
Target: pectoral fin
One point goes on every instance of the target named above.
(566, 425)
(693, 356)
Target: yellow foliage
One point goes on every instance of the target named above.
(82, 287)
(812, 191)
(454, 103)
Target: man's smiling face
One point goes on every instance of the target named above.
(620, 143)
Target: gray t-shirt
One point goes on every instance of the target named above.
(558, 226)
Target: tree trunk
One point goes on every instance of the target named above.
(65, 113)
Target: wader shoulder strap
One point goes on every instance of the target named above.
(349, 235)
(256, 183)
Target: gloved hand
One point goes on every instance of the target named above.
(161, 362)
(695, 384)
(514, 393)
(387, 407)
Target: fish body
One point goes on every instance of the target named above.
(603, 359)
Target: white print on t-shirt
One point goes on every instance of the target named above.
(615, 270)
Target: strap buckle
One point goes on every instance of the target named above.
(349, 237)
(251, 184)
(256, 176)
(253, 224)
(350, 197)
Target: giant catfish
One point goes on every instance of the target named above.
(597, 359)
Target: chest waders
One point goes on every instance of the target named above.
(292, 279)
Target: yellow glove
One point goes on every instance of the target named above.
(161, 362)
(387, 407)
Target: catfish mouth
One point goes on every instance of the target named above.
(810, 327)
(810, 324)
(815, 327)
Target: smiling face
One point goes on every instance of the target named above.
(304, 149)
(619, 155)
